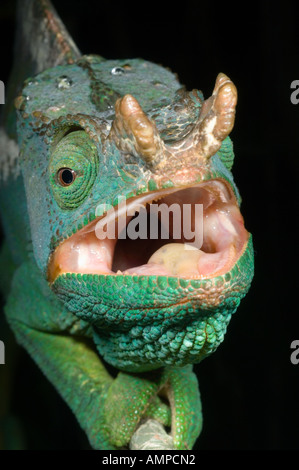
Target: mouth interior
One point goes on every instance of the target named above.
(195, 232)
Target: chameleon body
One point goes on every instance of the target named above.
(78, 133)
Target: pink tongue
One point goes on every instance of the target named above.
(177, 259)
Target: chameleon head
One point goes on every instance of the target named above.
(114, 143)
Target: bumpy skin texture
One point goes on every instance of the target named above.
(151, 328)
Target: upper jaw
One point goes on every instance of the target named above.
(213, 252)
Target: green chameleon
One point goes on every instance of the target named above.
(80, 135)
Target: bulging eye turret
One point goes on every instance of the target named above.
(73, 169)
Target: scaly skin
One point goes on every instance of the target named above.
(125, 128)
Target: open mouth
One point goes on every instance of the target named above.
(199, 234)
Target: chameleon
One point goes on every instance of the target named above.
(116, 324)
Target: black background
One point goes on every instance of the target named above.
(249, 387)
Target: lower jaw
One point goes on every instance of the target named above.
(144, 348)
(141, 323)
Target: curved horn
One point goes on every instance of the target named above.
(216, 119)
(133, 132)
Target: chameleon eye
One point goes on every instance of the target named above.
(66, 176)
(73, 169)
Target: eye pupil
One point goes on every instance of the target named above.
(66, 176)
